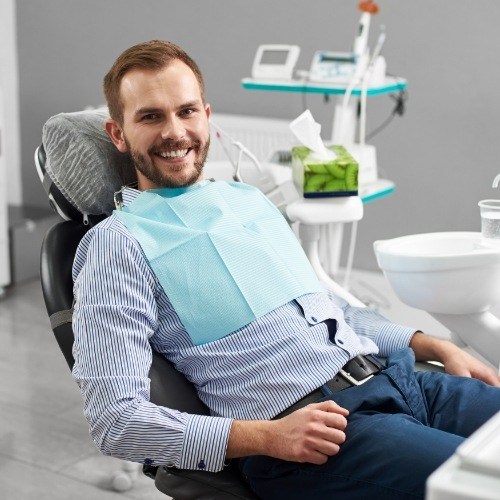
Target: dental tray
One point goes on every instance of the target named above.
(481, 451)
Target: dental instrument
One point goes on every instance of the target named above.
(365, 79)
(242, 149)
(273, 180)
(496, 181)
(368, 8)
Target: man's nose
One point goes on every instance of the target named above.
(173, 129)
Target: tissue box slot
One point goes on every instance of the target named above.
(313, 179)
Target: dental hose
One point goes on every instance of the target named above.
(350, 255)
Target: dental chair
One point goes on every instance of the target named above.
(81, 170)
(75, 149)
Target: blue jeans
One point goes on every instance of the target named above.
(402, 426)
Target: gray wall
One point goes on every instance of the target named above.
(442, 154)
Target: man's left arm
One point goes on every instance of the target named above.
(390, 336)
(455, 360)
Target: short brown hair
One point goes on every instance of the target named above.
(152, 55)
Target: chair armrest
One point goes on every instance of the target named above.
(428, 366)
(198, 485)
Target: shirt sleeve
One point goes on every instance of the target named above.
(114, 316)
(388, 336)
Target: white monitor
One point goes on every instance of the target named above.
(275, 62)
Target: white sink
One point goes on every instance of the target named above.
(449, 272)
(454, 276)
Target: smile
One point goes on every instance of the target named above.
(180, 153)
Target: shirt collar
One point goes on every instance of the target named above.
(128, 194)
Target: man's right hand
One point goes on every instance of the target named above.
(311, 434)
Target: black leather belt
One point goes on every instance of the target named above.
(356, 371)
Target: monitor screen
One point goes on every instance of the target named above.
(274, 57)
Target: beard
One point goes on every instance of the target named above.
(162, 177)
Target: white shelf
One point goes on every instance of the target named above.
(390, 85)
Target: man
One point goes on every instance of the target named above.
(269, 372)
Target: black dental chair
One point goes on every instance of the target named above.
(168, 387)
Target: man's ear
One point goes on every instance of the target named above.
(208, 110)
(115, 132)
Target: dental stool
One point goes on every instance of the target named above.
(69, 132)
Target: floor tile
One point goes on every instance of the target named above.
(33, 438)
(100, 471)
(19, 481)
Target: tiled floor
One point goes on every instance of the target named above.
(45, 450)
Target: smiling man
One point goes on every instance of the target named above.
(210, 275)
(163, 123)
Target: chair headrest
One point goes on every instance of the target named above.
(83, 163)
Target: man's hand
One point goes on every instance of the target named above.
(311, 434)
(463, 364)
(455, 360)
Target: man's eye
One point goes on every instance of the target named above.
(150, 117)
(187, 111)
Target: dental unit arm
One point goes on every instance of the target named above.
(272, 179)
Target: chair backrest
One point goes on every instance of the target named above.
(56, 260)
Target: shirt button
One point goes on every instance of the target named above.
(340, 342)
(314, 319)
(201, 465)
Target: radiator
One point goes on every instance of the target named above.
(262, 136)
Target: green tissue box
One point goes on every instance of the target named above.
(338, 177)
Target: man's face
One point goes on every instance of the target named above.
(165, 126)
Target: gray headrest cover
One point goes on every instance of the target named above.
(83, 162)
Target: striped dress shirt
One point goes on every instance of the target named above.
(122, 313)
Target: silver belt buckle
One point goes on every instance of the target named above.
(352, 380)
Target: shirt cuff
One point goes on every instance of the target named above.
(205, 443)
(392, 337)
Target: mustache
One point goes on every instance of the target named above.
(170, 145)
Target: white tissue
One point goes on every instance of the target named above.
(308, 132)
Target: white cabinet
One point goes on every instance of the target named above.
(4, 226)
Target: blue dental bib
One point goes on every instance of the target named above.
(222, 252)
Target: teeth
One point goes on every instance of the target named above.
(174, 154)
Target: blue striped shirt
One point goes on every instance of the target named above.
(122, 313)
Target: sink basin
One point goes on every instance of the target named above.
(447, 272)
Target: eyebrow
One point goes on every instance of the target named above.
(146, 111)
(191, 104)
